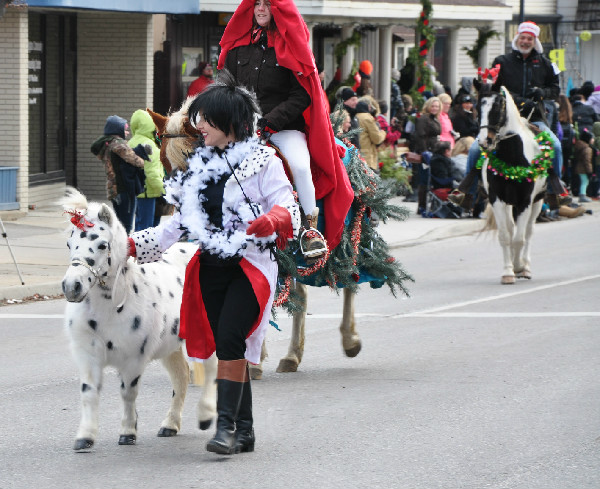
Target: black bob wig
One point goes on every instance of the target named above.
(227, 106)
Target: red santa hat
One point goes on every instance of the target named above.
(532, 28)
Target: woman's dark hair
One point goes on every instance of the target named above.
(227, 106)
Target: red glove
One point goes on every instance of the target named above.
(277, 220)
(131, 247)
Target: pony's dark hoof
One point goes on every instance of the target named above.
(524, 274)
(83, 444)
(355, 350)
(127, 440)
(204, 425)
(166, 432)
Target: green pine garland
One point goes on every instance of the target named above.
(370, 254)
(538, 168)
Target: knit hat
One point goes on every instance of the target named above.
(115, 125)
(348, 93)
(532, 28)
(585, 136)
(366, 67)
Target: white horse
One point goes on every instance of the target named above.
(124, 315)
(514, 174)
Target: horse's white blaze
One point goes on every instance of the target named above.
(141, 324)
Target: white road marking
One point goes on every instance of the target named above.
(434, 312)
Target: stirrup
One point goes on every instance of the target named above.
(312, 245)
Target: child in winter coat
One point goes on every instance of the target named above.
(143, 131)
(583, 162)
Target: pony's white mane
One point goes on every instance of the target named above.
(516, 123)
(73, 200)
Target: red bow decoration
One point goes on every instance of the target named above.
(489, 73)
(79, 220)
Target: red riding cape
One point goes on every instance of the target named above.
(293, 52)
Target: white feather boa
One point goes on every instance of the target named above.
(183, 190)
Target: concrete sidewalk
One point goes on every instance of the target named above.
(38, 241)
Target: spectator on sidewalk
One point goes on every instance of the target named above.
(123, 166)
(371, 135)
(205, 70)
(448, 132)
(392, 128)
(143, 132)
(583, 162)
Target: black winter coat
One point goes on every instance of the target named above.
(519, 75)
(281, 97)
(465, 124)
(441, 171)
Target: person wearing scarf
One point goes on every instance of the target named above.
(265, 46)
(234, 200)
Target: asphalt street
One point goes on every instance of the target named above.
(466, 384)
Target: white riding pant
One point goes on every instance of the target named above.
(292, 145)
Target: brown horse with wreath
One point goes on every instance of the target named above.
(361, 256)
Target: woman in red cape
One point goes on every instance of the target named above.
(257, 57)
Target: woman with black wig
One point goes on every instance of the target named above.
(235, 201)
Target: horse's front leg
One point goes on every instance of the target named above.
(504, 221)
(90, 374)
(256, 371)
(519, 241)
(523, 269)
(130, 385)
(179, 373)
(350, 339)
(290, 362)
(206, 410)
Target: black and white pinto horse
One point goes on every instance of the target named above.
(124, 315)
(505, 137)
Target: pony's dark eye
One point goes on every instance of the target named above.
(102, 246)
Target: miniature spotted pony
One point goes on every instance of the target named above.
(124, 315)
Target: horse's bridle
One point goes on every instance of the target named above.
(96, 272)
(496, 127)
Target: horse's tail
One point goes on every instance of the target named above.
(490, 222)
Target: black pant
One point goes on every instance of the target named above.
(231, 307)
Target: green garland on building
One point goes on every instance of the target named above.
(417, 56)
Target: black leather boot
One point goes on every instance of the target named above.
(244, 433)
(230, 383)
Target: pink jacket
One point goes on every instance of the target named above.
(447, 129)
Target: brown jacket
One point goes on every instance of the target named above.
(583, 157)
(282, 99)
(370, 137)
(427, 133)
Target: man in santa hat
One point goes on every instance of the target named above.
(532, 79)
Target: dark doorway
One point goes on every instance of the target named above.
(52, 98)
